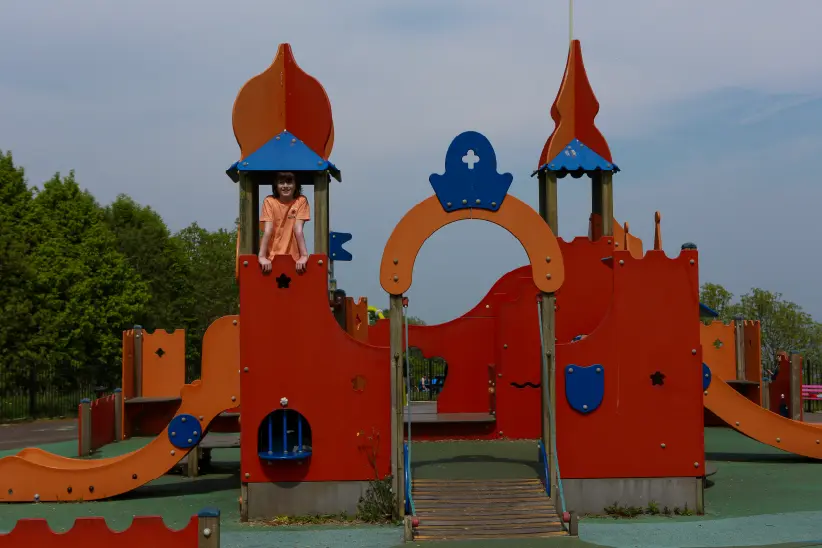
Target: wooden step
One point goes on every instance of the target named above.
(484, 509)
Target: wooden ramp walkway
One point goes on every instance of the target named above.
(484, 509)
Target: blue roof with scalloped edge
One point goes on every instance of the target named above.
(577, 159)
(707, 311)
(283, 153)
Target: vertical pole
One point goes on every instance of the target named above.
(548, 206)
(596, 203)
(209, 528)
(118, 414)
(607, 199)
(549, 211)
(249, 213)
(85, 427)
(138, 361)
(796, 387)
(739, 339)
(548, 388)
(321, 213)
(397, 393)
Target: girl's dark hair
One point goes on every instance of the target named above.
(288, 176)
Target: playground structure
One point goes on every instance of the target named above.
(202, 531)
(595, 348)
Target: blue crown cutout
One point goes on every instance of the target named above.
(336, 241)
(577, 160)
(471, 179)
(284, 152)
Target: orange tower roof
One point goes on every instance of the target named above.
(576, 146)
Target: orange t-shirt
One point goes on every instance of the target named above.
(283, 241)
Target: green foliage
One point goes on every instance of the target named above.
(86, 291)
(213, 290)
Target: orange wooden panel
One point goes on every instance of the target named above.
(635, 244)
(718, 348)
(93, 532)
(164, 363)
(54, 478)
(574, 110)
(424, 219)
(340, 385)
(283, 98)
(356, 318)
(640, 429)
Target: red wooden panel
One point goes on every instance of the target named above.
(102, 422)
(294, 348)
(94, 533)
(639, 430)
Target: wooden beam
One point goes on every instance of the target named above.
(607, 202)
(548, 387)
(739, 340)
(548, 207)
(397, 391)
(796, 387)
(321, 213)
(249, 215)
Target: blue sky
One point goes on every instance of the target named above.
(711, 109)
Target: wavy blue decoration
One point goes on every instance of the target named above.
(577, 159)
(282, 153)
(184, 431)
(706, 376)
(471, 179)
(337, 239)
(584, 387)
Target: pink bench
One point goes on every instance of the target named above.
(812, 391)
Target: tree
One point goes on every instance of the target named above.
(159, 259)
(16, 275)
(214, 293)
(412, 320)
(718, 298)
(87, 293)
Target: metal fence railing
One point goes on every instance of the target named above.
(812, 374)
(40, 394)
(427, 375)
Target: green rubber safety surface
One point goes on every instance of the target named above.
(757, 490)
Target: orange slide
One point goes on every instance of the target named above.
(36, 475)
(761, 424)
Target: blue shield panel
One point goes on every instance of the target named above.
(584, 387)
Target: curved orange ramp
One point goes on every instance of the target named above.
(761, 424)
(34, 474)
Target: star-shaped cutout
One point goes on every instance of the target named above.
(358, 383)
(718, 344)
(283, 281)
(658, 379)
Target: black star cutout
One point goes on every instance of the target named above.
(160, 352)
(658, 379)
(283, 281)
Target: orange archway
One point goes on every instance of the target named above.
(514, 215)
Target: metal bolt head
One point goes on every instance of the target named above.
(173, 452)
(621, 262)
(245, 369)
(662, 445)
(234, 322)
(189, 440)
(547, 259)
(320, 262)
(182, 419)
(570, 370)
(696, 465)
(691, 261)
(233, 398)
(245, 263)
(693, 351)
(493, 204)
(478, 200)
(548, 276)
(284, 401)
(396, 278)
(448, 204)
(173, 434)
(464, 202)
(584, 406)
(737, 423)
(206, 532)
(396, 261)
(505, 346)
(778, 440)
(247, 475)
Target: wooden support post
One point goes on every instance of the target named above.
(548, 206)
(548, 389)
(397, 392)
(321, 213)
(85, 428)
(739, 339)
(209, 528)
(796, 387)
(573, 525)
(118, 414)
(249, 215)
(607, 202)
(138, 361)
(193, 462)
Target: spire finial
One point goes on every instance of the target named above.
(570, 20)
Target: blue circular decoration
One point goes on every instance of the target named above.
(706, 376)
(184, 431)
